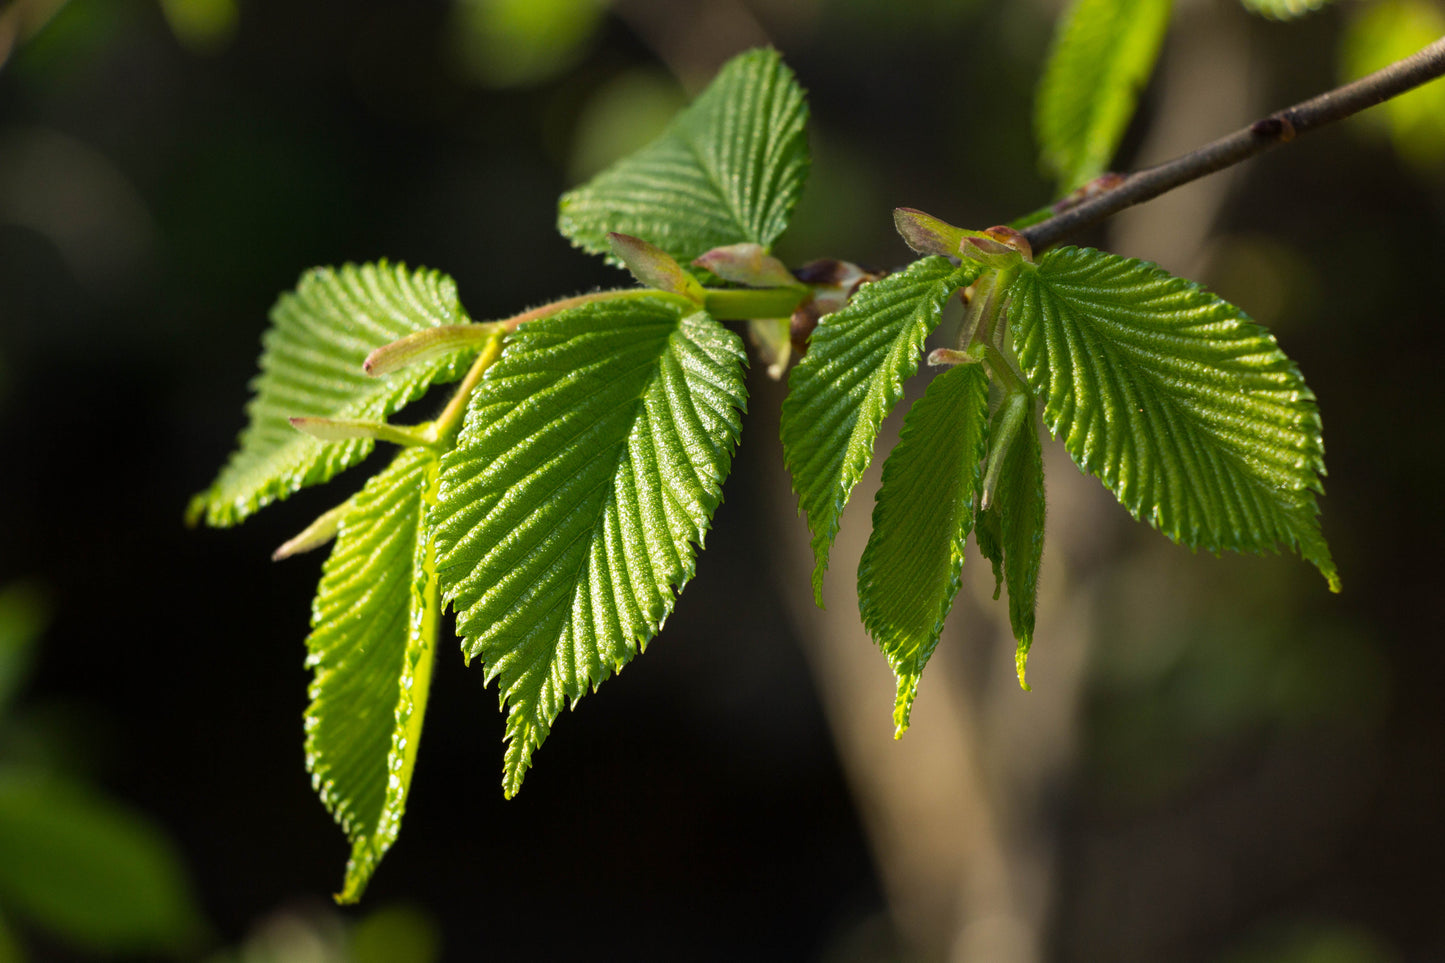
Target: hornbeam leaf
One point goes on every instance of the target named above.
(591, 462)
(311, 366)
(851, 377)
(1102, 55)
(1183, 406)
(372, 644)
(1018, 506)
(728, 169)
(910, 571)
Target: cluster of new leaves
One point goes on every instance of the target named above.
(560, 518)
(557, 503)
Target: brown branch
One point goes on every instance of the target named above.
(1278, 128)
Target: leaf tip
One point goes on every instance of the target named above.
(1021, 662)
(927, 234)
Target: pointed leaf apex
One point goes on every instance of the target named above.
(1021, 662)
(653, 267)
(315, 535)
(748, 264)
(927, 234)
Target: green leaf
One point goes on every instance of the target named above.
(1377, 36)
(988, 534)
(591, 462)
(850, 378)
(372, 644)
(311, 365)
(1103, 53)
(1287, 9)
(911, 568)
(1182, 406)
(24, 612)
(91, 871)
(1018, 506)
(728, 169)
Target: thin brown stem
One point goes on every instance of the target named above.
(1278, 128)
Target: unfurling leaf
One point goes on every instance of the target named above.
(583, 482)
(372, 644)
(1185, 408)
(312, 366)
(1103, 53)
(851, 377)
(727, 170)
(1013, 526)
(910, 571)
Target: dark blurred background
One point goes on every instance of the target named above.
(1220, 761)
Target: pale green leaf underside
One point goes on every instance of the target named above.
(372, 645)
(728, 169)
(569, 514)
(1186, 409)
(1103, 53)
(1019, 508)
(912, 567)
(850, 378)
(311, 365)
(1283, 9)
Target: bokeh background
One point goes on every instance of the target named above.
(1220, 761)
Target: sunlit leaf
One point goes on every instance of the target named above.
(1379, 35)
(1103, 53)
(570, 512)
(728, 169)
(1015, 523)
(851, 377)
(911, 568)
(1286, 9)
(311, 365)
(1185, 408)
(372, 646)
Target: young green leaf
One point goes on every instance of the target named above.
(851, 377)
(1018, 507)
(910, 571)
(988, 534)
(1103, 53)
(589, 467)
(728, 169)
(372, 644)
(311, 366)
(1182, 406)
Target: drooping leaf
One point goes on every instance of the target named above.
(1103, 53)
(311, 365)
(1018, 507)
(851, 377)
(372, 645)
(988, 534)
(586, 475)
(911, 568)
(1183, 406)
(1285, 9)
(90, 871)
(728, 169)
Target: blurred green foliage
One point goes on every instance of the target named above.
(510, 43)
(1379, 35)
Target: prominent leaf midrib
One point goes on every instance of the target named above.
(1266, 435)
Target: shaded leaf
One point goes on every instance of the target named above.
(311, 366)
(1103, 53)
(728, 169)
(90, 871)
(372, 645)
(591, 462)
(1185, 408)
(1018, 508)
(850, 378)
(911, 568)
